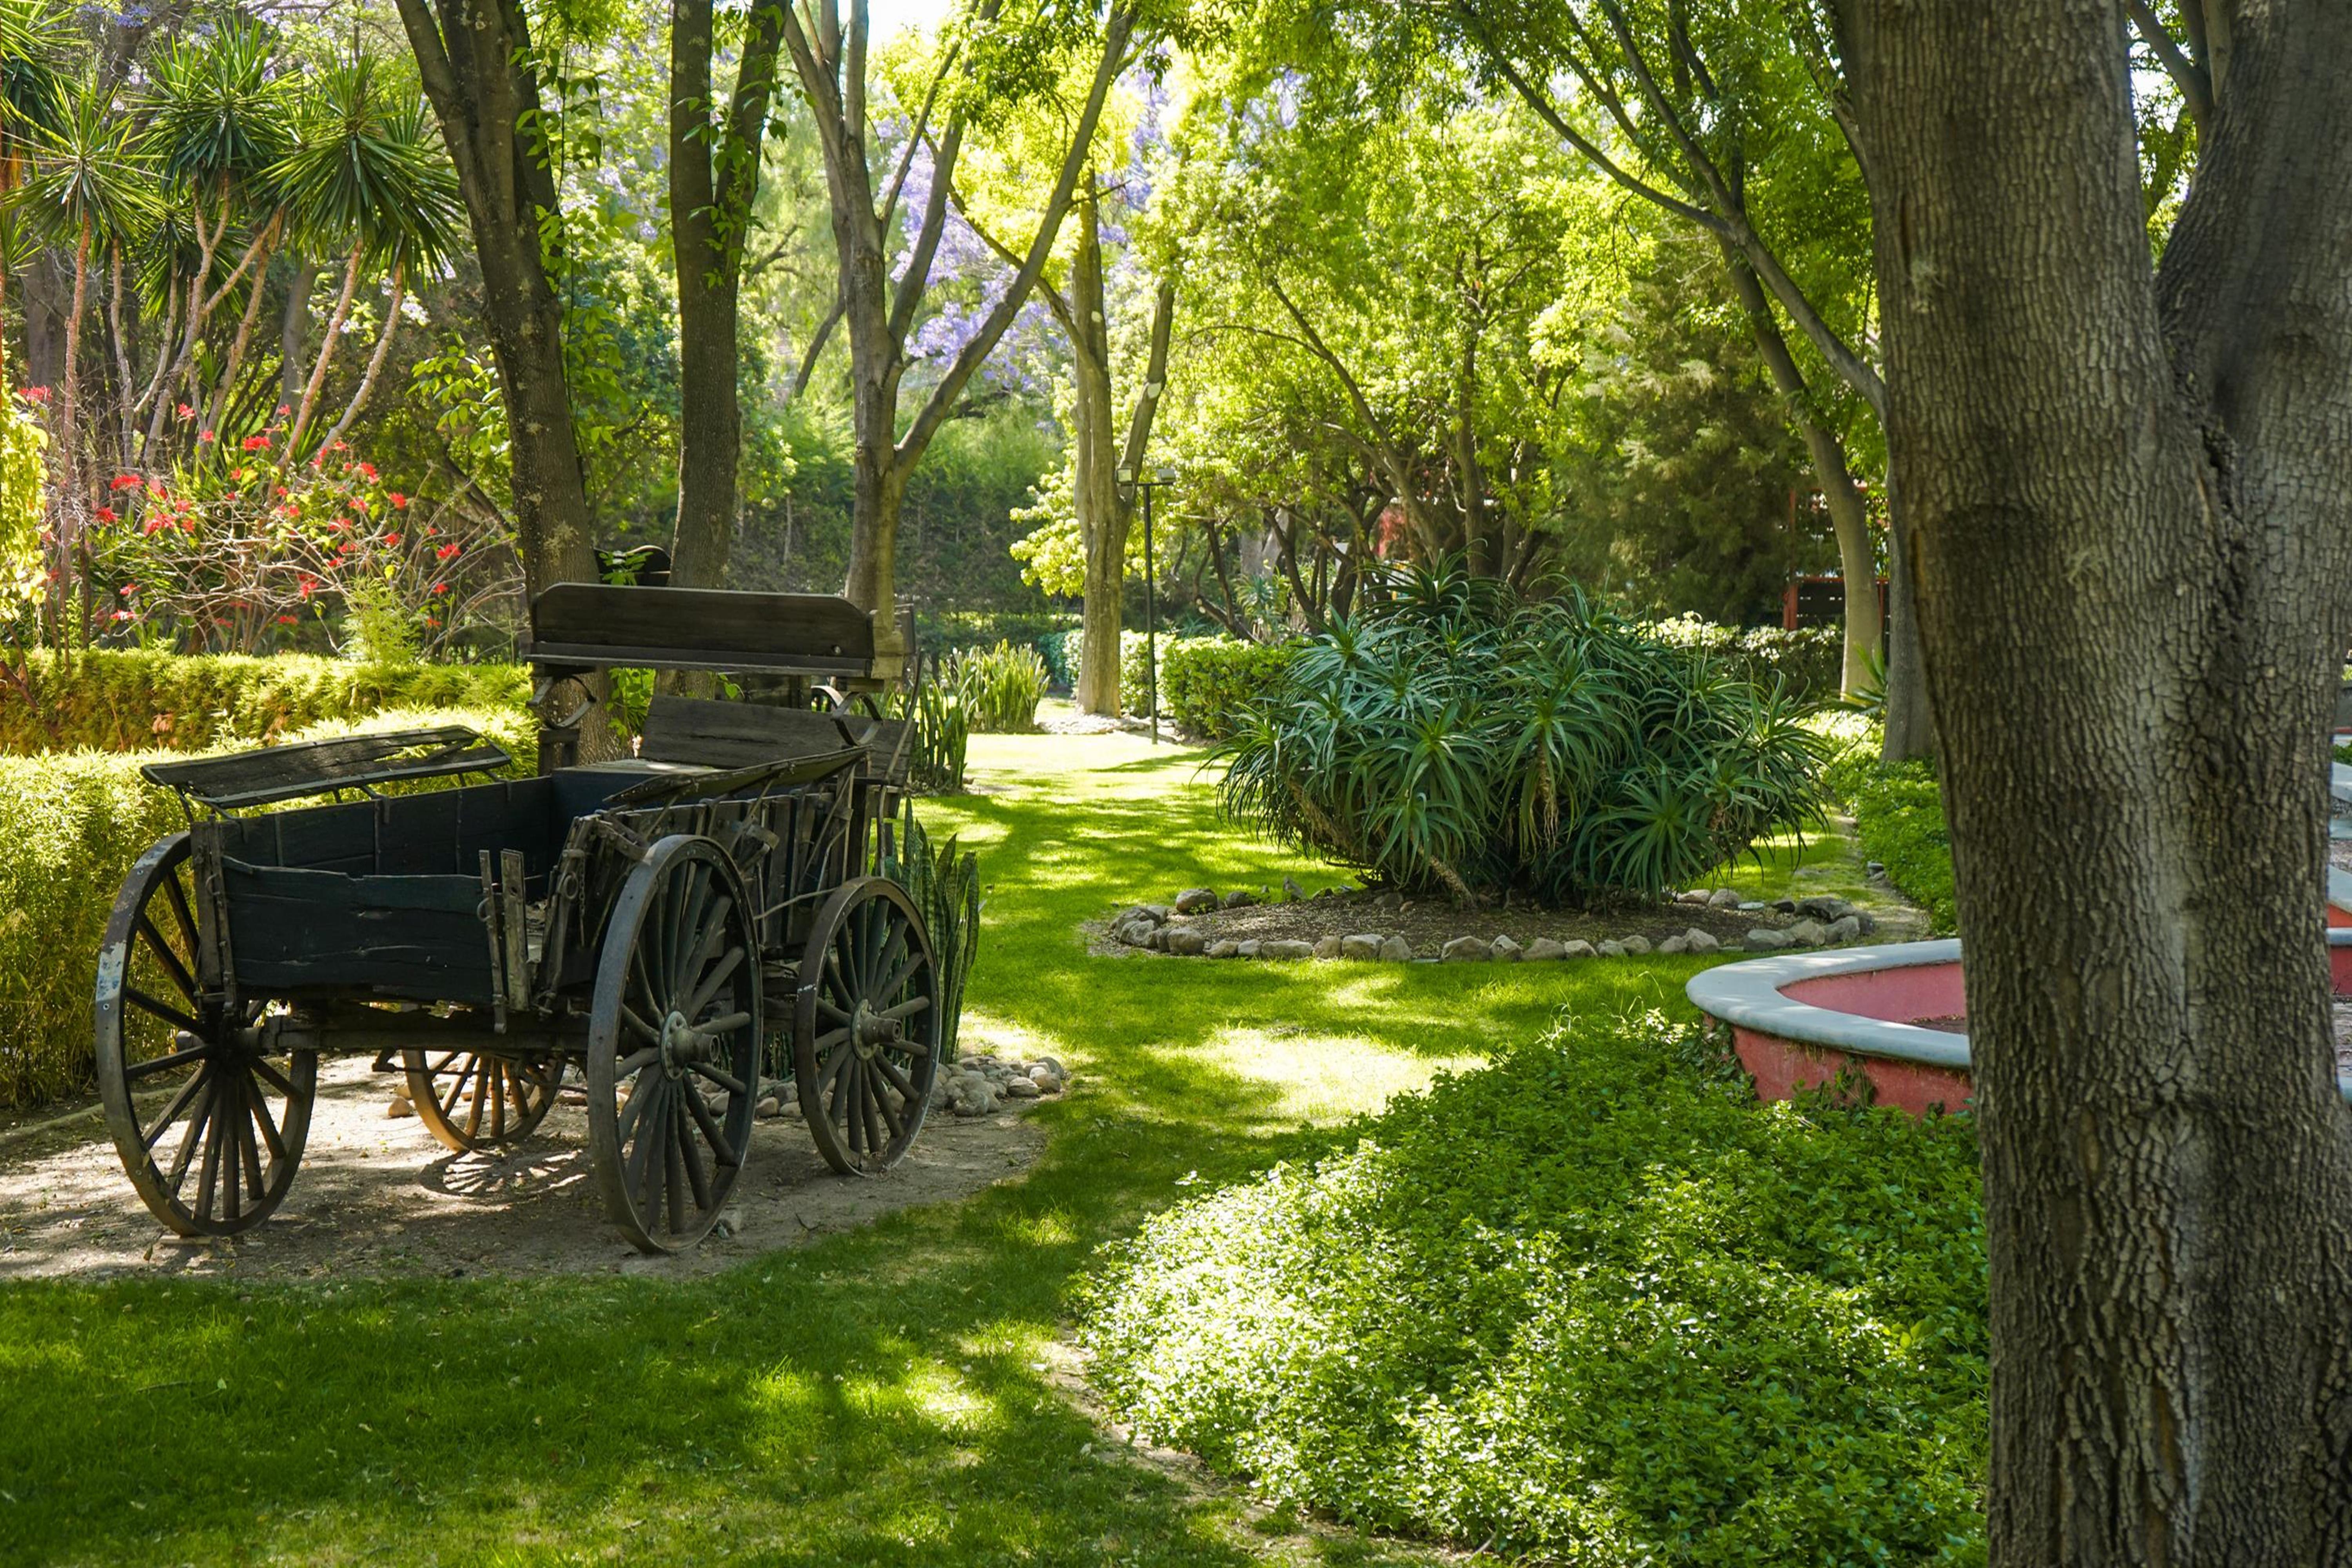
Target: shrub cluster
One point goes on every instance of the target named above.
(1206, 684)
(1453, 737)
(1809, 661)
(1898, 814)
(128, 700)
(71, 823)
(1592, 1304)
(942, 633)
(998, 687)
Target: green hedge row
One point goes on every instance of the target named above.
(71, 823)
(1898, 814)
(118, 700)
(1591, 1304)
(1206, 682)
(1809, 661)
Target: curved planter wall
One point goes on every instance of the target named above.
(1797, 1020)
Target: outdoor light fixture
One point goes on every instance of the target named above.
(1161, 478)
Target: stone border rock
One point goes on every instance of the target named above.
(1163, 928)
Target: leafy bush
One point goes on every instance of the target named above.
(942, 736)
(1205, 683)
(1898, 814)
(940, 633)
(71, 823)
(1592, 1304)
(998, 686)
(1453, 737)
(128, 700)
(1809, 661)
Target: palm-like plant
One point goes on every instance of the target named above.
(1450, 736)
(367, 178)
(35, 38)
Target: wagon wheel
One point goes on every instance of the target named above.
(865, 1032)
(674, 1045)
(209, 1126)
(472, 1101)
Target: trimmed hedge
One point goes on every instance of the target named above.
(1809, 661)
(1898, 814)
(1206, 682)
(71, 823)
(120, 701)
(1591, 1304)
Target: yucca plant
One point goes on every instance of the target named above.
(945, 885)
(999, 686)
(1454, 737)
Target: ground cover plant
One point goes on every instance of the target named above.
(876, 1397)
(1592, 1302)
(1453, 737)
(1898, 812)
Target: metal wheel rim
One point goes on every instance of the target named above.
(869, 957)
(214, 1155)
(472, 1101)
(679, 944)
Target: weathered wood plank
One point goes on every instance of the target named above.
(702, 629)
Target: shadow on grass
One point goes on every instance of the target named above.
(878, 1397)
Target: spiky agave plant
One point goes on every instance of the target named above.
(1453, 737)
(944, 882)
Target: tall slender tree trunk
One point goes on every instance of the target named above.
(711, 191)
(294, 333)
(327, 342)
(1102, 513)
(2130, 495)
(375, 360)
(244, 338)
(1849, 517)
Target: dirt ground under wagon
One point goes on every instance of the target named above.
(378, 1196)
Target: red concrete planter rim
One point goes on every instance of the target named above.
(1750, 995)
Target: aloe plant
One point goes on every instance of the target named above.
(1454, 736)
(944, 882)
(998, 686)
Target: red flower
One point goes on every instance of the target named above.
(205, 436)
(367, 472)
(33, 393)
(120, 615)
(256, 443)
(128, 482)
(440, 587)
(307, 584)
(283, 410)
(155, 525)
(400, 504)
(446, 552)
(391, 539)
(186, 411)
(128, 589)
(106, 514)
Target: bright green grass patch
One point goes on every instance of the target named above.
(1593, 1304)
(869, 1398)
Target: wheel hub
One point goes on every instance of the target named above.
(682, 1045)
(871, 1031)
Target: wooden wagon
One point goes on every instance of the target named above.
(661, 925)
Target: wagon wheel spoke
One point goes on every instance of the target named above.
(690, 1155)
(722, 1077)
(673, 1149)
(644, 1092)
(194, 1138)
(162, 1010)
(480, 1080)
(642, 1030)
(704, 993)
(208, 1183)
(180, 1102)
(647, 1110)
(274, 1078)
(712, 1134)
(167, 1063)
(881, 1101)
(177, 896)
(898, 1080)
(168, 958)
(269, 1134)
(907, 1009)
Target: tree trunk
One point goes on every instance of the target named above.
(375, 360)
(1910, 729)
(1104, 515)
(327, 342)
(244, 339)
(294, 333)
(2130, 519)
(710, 199)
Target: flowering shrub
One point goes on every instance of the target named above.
(237, 553)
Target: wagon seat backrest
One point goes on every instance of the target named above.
(745, 734)
(588, 625)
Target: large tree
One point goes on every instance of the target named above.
(2130, 488)
(987, 50)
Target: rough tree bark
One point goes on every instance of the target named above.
(714, 176)
(830, 62)
(475, 57)
(2131, 495)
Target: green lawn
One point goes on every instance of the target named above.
(878, 1397)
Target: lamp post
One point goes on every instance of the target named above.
(1156, 480)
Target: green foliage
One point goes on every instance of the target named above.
(1453, 737)
(1898, 814)
(999, 688)
(945, 885)
(942, 737)
(1207, 683)
(1593, 1303)
(124, 701)
(23, 501)
(71, 823)
(1809, 661)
